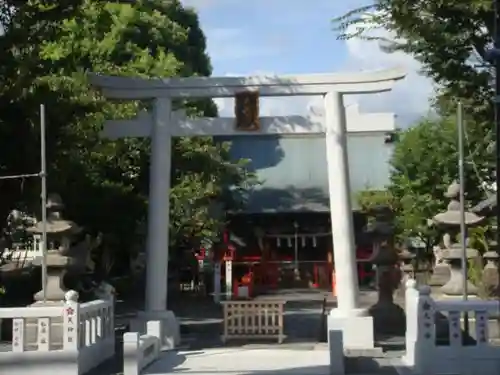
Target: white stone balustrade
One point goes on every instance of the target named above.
(96, 332)
(452, 354)
(21, 255)
(139, 351)
(88, 337)
(42, 317)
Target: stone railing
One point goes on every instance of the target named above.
(72, 337)
(24, 255)
(95, 331)
(141, 351)
(436, 342)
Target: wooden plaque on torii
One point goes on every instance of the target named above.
(246, 110)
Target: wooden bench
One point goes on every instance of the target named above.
(253, 320)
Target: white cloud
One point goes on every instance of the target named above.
(271, 106)
(409, 99)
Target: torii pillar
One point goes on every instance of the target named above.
(163, 124)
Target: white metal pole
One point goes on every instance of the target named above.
(43, 176)
(461, 177)
(463, 228)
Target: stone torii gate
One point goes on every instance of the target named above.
(161, 124)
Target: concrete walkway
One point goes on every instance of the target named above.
(266, 360)
(240, 361)
(203, 352)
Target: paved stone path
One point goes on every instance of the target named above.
(243, 361)
(301, 353)
(239, 361)
(201, 327)
(270, 360)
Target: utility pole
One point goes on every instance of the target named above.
(497, 113)
(43, 177)
(461, 173)
(463, 228)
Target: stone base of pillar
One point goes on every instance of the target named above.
(170, 327)
(356, 327)
(388, 318)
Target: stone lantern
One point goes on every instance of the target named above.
(490, 273)
(449, 221)
(441, 269)
(61, 255)
(490, 277)
(381, 233)
(408, 271)
(388, 318)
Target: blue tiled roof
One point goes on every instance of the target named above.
(293, 173)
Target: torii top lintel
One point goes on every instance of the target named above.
(131, 88)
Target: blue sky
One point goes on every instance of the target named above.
(295, 36)
(281, 36)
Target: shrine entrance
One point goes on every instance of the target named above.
(283, 262)
(162, 123)
(282, 239)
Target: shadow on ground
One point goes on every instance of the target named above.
(201, 319)
(201, 324)
(201, 328)
(312, 370)
(180, 363)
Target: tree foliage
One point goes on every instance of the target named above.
(424, 164)
(369, 199)
(46, 50)
(449, 38)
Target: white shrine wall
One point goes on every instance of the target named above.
(292, 169)
(291, 166)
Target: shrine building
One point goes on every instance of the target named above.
(288, 212)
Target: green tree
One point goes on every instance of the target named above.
(24, 27)
(424, 164)
(104, 183)
(449, 38)
(369, 199)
